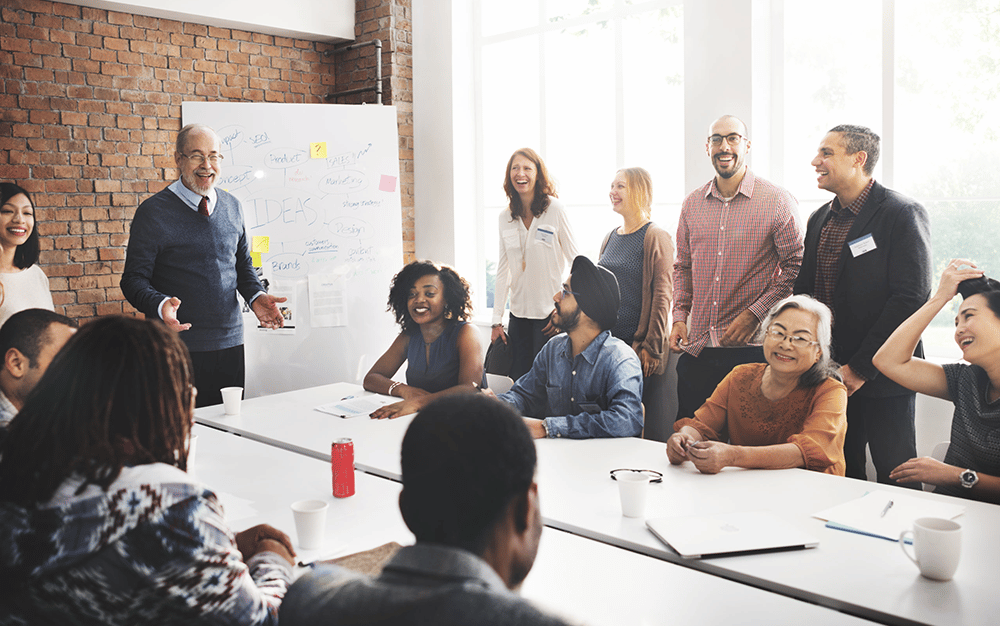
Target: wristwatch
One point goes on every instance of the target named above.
(969, 478)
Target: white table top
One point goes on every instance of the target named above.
(575, 577)
(289, 420)
(865, 576)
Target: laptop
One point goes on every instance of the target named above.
(729, 534)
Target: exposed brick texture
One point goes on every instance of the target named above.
(389, 21)
(90, 104)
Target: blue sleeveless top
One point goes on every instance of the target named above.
(442, 370)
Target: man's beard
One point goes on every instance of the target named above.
(567, 324)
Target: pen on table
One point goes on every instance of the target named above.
(886, 509)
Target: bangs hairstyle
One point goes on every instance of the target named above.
(860, 139)
(825, 367)
(988, 287)
(119, 393)
(457, 296)
(544, 187)
(640, 190)
(26, 254)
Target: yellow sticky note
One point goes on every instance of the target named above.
(260, 244)
(255, 258)
(317, 150)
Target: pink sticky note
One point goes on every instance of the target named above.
(388, 183)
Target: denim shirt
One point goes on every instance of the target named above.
(596, 394)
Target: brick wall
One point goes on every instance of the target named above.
(389, 21)
(89, 108)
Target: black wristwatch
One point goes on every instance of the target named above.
(969, 478)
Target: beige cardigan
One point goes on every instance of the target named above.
(658, 289)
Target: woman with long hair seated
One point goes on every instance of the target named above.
(99, 521)
(971, 467)
(23, 285)
(788, 412)
(432, 306)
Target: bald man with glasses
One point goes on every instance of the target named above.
(739, 248)
(188, 258)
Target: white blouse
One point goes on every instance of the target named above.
(27, 289)
(532, 262)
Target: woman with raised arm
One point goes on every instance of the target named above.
(100, 523)
(536, 246)
(788, 412)
(441, 348)
(23, 285)
(641, 256)
(971, 468)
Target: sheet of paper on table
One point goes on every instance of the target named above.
(865, 514)
(353, 407)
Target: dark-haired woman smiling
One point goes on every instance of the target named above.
(971, 468)
(442, 350)
(24, 284)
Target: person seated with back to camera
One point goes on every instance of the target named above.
(788, 412)
(442, 351)
(584, 382)
(470, 498)
(971, 467)
(100, 523)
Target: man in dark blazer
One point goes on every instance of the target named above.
(867, 257)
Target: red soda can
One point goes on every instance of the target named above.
(342, 466)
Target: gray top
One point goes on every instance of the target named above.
(175, 251)
(975, 427)
(421, 584)
(623, 255)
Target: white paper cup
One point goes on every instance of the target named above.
(937, 546)
(632, 487)
(231, 398)
(192, 446)
(310, 522)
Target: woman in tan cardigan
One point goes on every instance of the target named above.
(641, 256)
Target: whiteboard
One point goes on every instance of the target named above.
(319, 185)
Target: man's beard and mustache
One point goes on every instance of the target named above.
(567, 323)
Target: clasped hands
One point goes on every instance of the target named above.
(709, 457)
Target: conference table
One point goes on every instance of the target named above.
(575, 577)
(863, 576)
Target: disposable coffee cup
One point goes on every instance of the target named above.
(937, 546)
(632, 487)
(310, 523)
(231, 399)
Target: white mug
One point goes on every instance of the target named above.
(937, 546)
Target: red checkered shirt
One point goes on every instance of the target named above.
(733, 256)
(831, 244)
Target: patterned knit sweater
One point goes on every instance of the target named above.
(153, 549)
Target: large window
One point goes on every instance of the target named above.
(593, 86)
(924, 75)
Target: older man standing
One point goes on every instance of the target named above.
(868, 256)
(188, 244)
(739, 247)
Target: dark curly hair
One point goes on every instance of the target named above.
(457, 299)
(26, 254)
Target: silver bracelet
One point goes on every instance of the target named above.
(393, 386)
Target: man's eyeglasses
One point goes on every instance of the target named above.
(566, 292)
(797, 342)
(198, 159)
(732, 139)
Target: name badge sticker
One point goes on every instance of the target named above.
(861, 245)
(545, 236)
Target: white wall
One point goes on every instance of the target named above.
(315, 20)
